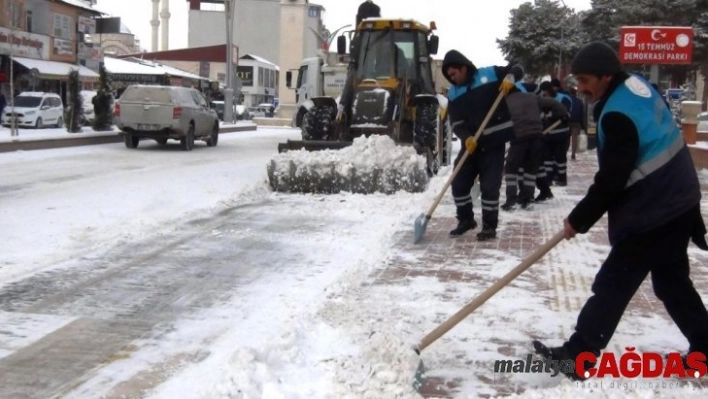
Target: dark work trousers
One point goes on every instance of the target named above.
(545, 168)
(555, 159)
(524, 155)
(661, 252)
(488, 164)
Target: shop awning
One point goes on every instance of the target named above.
(54, 70)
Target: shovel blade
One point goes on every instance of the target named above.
(421, 223)
(419, 378)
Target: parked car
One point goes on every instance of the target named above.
(35, 109)
(703, 122)
(269, 109)
(166, 112)
(218, 106)
(242, 113)
(87, 104)
(257, 112)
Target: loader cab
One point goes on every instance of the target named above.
(392, 50)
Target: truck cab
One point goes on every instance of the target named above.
(316, 79)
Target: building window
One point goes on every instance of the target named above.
(261, 72)
(314, 12)
(16, 12)
(29, 21)
(62, 26)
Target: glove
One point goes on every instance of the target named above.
(507, 84)
(471, 144)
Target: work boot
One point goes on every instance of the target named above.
(561, 360)
(562, 182)
(572, 157)
(463, 226)
(487, 234)
(508, 206)
(543, 197)
(527, 206)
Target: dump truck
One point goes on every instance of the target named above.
(317, 77)
(388, 89)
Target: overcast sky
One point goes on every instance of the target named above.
(461, 23)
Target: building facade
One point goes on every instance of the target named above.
(123, 42)
(259, 80)
(259, 28)
(42, 38)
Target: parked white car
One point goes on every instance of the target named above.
(165, 112)
(35, 109)
(703, 122)
(87, 104)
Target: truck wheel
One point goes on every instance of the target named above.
(318, 123)
(447, 143)
(213, 139)
(425, 134)
(131, 141)
(187, 141)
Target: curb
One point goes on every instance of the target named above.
(43, 144)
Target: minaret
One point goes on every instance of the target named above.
(165, 17)
(154, 23)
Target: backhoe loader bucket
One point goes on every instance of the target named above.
(312, 145)
(366, 165)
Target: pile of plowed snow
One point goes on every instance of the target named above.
(371, 164)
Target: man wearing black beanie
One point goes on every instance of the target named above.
(649, 188)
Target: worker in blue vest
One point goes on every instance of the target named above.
(648, 186)
(526, 148)
(471, 96)
(558, 139)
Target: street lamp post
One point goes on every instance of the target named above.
(229, 91)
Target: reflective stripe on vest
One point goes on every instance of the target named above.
(560, 130)
(496, 128)
(659, 137)
(655, 163)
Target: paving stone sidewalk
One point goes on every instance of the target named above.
(563, 290)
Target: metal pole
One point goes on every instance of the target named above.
(560, 45)
(14, 132)
(228, 91)
(560, 54)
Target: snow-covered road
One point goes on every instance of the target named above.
(123, 267)
(157, 273)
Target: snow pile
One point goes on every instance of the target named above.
(614, 389)
(370, 164)
(386, 369)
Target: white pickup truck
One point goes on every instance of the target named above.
(166, 112)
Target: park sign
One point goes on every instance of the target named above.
(656, 45)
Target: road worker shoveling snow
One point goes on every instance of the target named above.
(371, 164)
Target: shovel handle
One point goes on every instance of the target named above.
(462, 160)
(553, 126)
(489, 292)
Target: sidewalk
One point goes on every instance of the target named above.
(36, 139)
(543, 303)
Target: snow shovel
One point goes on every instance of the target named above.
(421, 222)
(481, 299)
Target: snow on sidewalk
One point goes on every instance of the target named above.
(420, 286)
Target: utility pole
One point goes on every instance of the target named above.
(229, 91)
(560, 44)
(13, 121)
